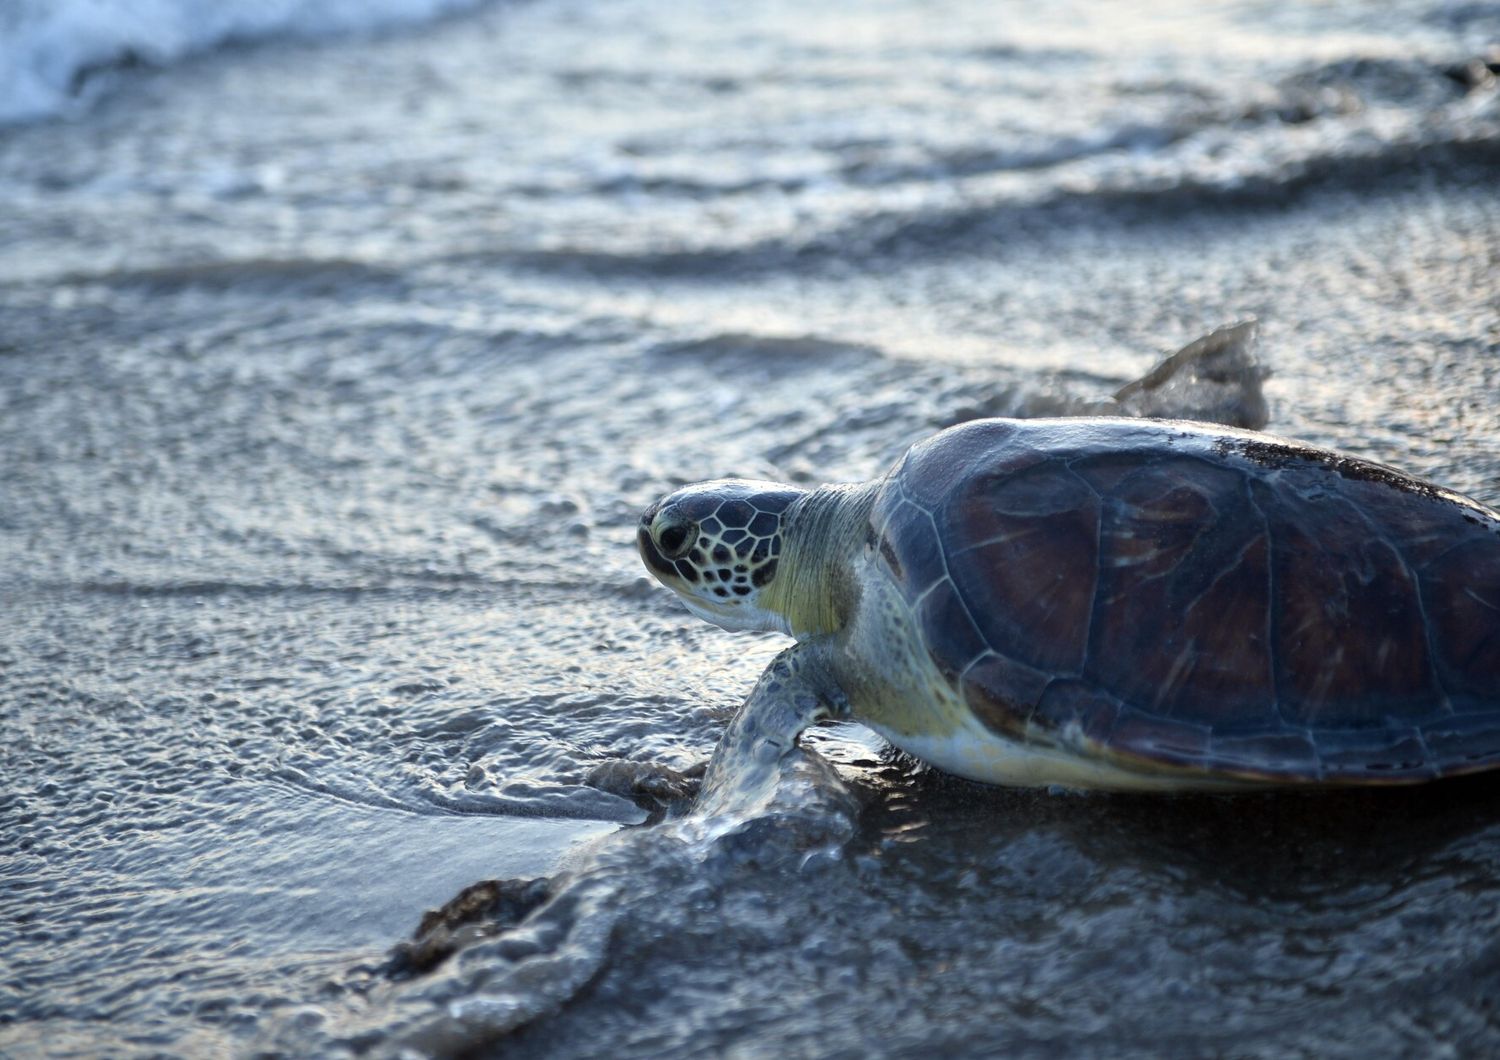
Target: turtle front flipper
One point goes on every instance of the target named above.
(795, 691)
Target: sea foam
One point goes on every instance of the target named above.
(49, 48)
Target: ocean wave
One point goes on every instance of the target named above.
(1463, 154)
(783, 353)
(52, 50)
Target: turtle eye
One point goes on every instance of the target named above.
(675, 538)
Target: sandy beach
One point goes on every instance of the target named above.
(337, 364)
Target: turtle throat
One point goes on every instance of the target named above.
(814, 588)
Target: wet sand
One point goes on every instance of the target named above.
(334, 377)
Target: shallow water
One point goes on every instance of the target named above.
(334, 377)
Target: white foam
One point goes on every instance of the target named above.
(46, 44)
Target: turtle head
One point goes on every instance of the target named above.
(717, 545)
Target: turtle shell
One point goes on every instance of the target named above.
(1178, 595)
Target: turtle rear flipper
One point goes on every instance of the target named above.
(1216, 379)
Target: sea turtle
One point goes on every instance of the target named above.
(1113, 603)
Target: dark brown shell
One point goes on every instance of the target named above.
(1189, 596)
